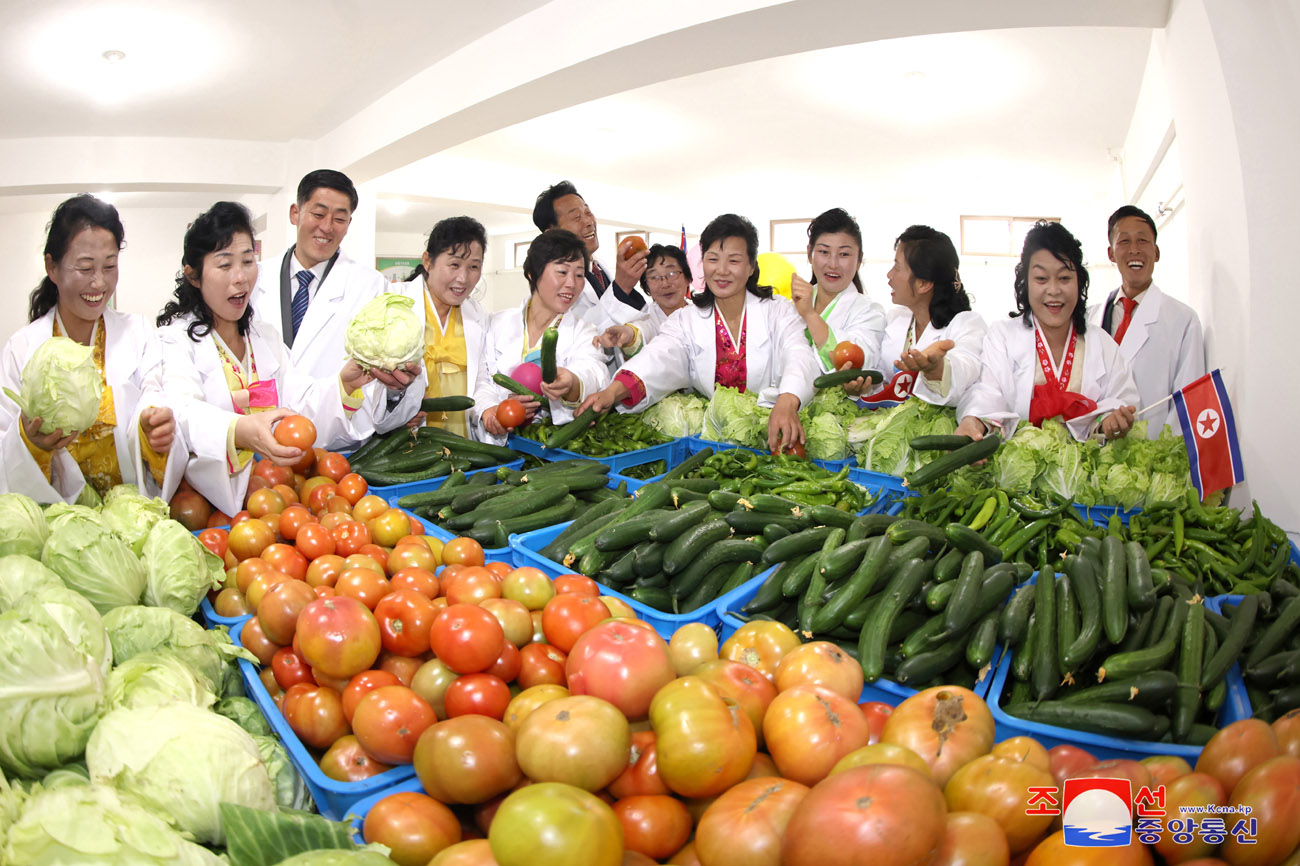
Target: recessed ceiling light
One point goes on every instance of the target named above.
(112, 55)
(915, 75)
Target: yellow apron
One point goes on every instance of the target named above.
(446, 362)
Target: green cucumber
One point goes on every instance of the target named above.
(966, 540)
(691, 544)
(1014, 623)
(687, 516)
(937, 596)
(983, 641)
(446, 404)
(515, 388)
(728, 550)
(1114, 589)
(630, 532)
(1239, 628)
(938, 443)
(550, 337)
(905, 530)
(1153, 689)
(1285, 625)
(796, 544)
(540, 518)
(1044, 677)
(841, 377)
(1111, 719)
(941, 467)
(960, 610)
(1083, 583)
(875, 631)
(949, 565)
(1151, 658)
(928, 665)
(1191, 655)
(1141, 589)
(810, 602)
(689, 465)
(568, 432)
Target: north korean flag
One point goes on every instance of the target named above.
(1210, 434)
(683, 238)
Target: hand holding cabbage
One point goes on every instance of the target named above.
(385, 341)
(61, 388)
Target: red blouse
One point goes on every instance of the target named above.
(729, 370)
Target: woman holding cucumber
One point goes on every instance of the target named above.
(457, 336)
(932, 342)
(735, 333)
(833, 306)
(542, 332)
(227, 377)
(1045, 362)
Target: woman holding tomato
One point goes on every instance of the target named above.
(831, 313)
(457, 337)
(82, 245)
(933, 339)
(227, 377)
(556, 270)
(667, 281)
(1044, 365)
(736, 334)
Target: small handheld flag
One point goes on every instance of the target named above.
(1210, 433)
(683, 238)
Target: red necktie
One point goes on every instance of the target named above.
(1129, 306)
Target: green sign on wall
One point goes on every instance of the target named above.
(396, 270)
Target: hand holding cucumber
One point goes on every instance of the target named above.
(565, 386)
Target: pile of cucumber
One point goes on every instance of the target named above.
(491, 506)
(401, 456)
(911, 601)
(1271, 659)
(1110, 647)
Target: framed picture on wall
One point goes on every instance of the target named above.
(789, 237)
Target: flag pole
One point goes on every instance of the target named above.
(1145, 409)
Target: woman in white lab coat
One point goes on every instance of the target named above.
(734, 334)
(833, 306)
(457, 336)
(667, 282)
(932, 343)
(1046, 362)
(227, 376)
(81, 252)
(556, 270)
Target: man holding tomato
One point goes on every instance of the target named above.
(603, 302)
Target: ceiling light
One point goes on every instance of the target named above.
(112, 55)
(395, 206)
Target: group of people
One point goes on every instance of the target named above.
(242, 344)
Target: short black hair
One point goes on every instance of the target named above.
(1057, 240)
(70, 218)
(544, 209)
(836, 221)
(553, 245)
(931, 256)
(730, 225)
(329, 179)
(211, 230)
(1128, 210)
(451, 234)
(665, 251)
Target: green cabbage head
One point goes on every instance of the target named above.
(136, 629)
(179, 569)
(385, 333)
(153, 678)
(96, 563)
(131, 515)
(61, 386)
(22, 526)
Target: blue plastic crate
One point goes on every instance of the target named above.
(333, 799)
(394, 492)
(212, 620)
(1101, 514)
(671, 453)
(527, 547)
(888, 489)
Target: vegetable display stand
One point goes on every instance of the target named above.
(395, 492)
(671, 453)
(527, 547)
(883, 690)
(333, 799)
(1101, 746)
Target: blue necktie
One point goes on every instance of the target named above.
(298, 307)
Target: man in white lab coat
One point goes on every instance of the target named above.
(309, 295)
(604, 301)
(1158, 336)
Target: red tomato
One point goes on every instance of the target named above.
(266, 501)
(821, 663)
(642, 773)
(508, 664)
(346, 761)
(579, 740)
(808, 728)
(510, 413)
(848, 353)
(514, 619)
(1194, 789)
(705, 743)
(230, 602)
(972, 839)
(480, 748)
(1272, 791)
(751, 691)
(315, 713)
(249, 538)
(338, 635)
(405, 617)
(471, 586)
(555, 825)
(190, 509)
(402, 667)
(1165, 768)
(630, 246)
(389, 720)
(279, 608)
(286, 559)
(360, 685)
(255, 641)
(760, 644)
(332, 466)
(1053, 851)
(411, 554)
(350, 538)
(1067, 761)
(567, 616)
(575, 583)
(999, 788)
(477, 694)
(529, 586)
(366, 585)
(414, 826)
(880, 814)
(466, 638)
(352, 487)
(1236, 750)
(948, 726)
(293, 519)
(743, 827)
(655, 825)
(795, 448)
(541, 664)
(296, 431)
(877, 713)
(215, 540)
(462, 551)
(289, 668)
(620, 663)
(1287, 731)
(324, 570)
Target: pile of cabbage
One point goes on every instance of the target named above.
(123, 724)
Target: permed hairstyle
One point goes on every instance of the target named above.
(70, 218)
(1057, 240)
(211, 231)
(451, 236)
(665, 251)
(930, 256)
(836, 221)
(731, 225)
(553, 245)
(544, 208)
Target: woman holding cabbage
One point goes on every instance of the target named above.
(456, 337)
(70, 419)
(736, 334)
(227, 376)
(556, 270)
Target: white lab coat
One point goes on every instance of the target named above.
(966, 330)
(478, 348)
(1006, 383)
(573, 351)
(778, 359)
(188, 376)
(1163, 346)
(860, 320)
(125, 338)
